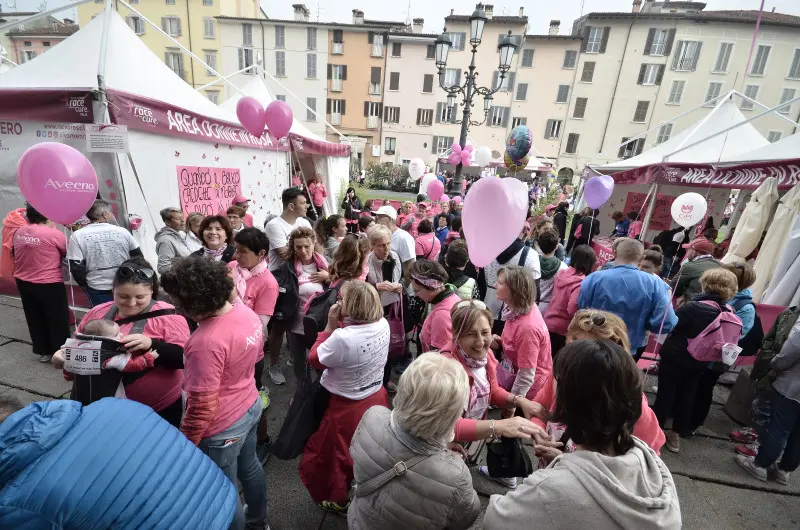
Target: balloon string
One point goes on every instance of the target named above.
(69, 271)
(666, 310)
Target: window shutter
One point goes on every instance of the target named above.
(660, 74)
(621, 152)
(394, 81)
(337, 35)
(330, 71)
(375, 75)
(241, 58)
(639, 146)
(580, 108)
(433, 144)
(696, 57)
(386, 114)
(179, 28)
(548, 128)
(366, 109)
(641, 111)
(164, 24)
(506, 113)
(604, 41)
(458, 78)
(676, 59)
(344, 103)
(371, 37)
(396, 115)
(642, 70)
(588, 71)
(511, 77)
(328, 106)
(385, 39)
(344, 72)
(419, 111)
(670, 41)
(585, 41)
(649, 42)
(439, 112)
(380, 109)
(495, 79)
(427, 83)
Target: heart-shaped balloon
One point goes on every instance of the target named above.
(598, 190)
(251, 115)
(494, 214)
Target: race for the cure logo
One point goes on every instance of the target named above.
(144, 114)
(10, 127)
(61, 185)
(78, 105)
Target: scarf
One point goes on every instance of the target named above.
(549, 266)
(241, 275)
(319, 261)
(214, 254)
(448, 290)
(480, 389)
(378, 269)
(510, 252)
(508, 313)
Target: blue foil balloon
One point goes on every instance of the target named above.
(519, 142)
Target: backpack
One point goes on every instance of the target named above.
(288, 293)
(317, 313)
(750, 343)
(725, 329)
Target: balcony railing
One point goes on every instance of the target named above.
(336, 85)
(338, 48)
(372, 122)
(377, 50)
(336, 119)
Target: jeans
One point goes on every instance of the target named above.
(783, 428)
(234, 451)
(97, 297)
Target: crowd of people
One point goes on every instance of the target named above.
(400, 348)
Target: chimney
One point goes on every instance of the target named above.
(301, 12)
(358, 16)
(69, 21)
(554, 25)
(489, 10)
(637, 6)
(521, 11)
(452, 11)
(417, 25)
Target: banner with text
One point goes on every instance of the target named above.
(208, 190)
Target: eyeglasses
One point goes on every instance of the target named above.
(465, 303)
(129, 273)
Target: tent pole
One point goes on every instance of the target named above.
(215, 81)
(42, 14)
(775, 109)
(305, 181)
(650, 209)
(101, 68)
(694, 130)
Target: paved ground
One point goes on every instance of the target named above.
(714, 493)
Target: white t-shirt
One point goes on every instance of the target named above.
(355, 357)
(104, 247)
(305, 290)
(278, 232)
(403, 244)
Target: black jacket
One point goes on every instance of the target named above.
(693, 318)
(560, 222)
(227, 254)
(349, 206)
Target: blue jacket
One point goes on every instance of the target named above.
(638, 298)
(114, 463)
(747, 313)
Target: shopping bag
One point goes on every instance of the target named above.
(397, 332)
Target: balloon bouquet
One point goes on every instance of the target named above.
(518, 145)
(277, 117)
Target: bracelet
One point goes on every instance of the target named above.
(514, 401)
(492, 435)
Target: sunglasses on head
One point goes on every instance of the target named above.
(464, 303)
(128, 272)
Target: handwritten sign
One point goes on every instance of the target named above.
(208, 190)
(661, 219)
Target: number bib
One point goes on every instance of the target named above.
(82, 357)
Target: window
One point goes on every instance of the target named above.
(527, 58)
(336, 110)
(562, 96)
(650, 74)
(713, 92)
(389, 145)
(375, 81)
(46, 44)
(247, 34)
(425, 117)
(507, 82)
(373, 111)
(657, 42)
(280, 64)
(209, 31)
(570, 58)
(206, 3)
(664, 133)
(632, 148)
(794, 69)
(595, 39)
(396, 49)
(246, 60)
(441, 144)
(280, 97)
(170, 2)
(676, 92)
(751, 91)
(376, 42)
(522, 92)
(136, 24)
(430, 52)
(174, 60)
(311, 38)
(760, 61)
(773, 136)
(391, 114)
(553, 129)
(640, 115)
(588, 72)
(580, 108)
(498, 117)
(394, 81)
(337, 73)
(516, 39)
(458, 40)
(445, 114)
(28, 44)
(26, 55)
(786, 95)
(171, 26)
(452, 77)
(687, 55)
(280, 37)
(427, 83)
(338, 42)
(516, 122)
(311, 111)
(311, 65)
(723, 58)
(211, 60)
(572, 143)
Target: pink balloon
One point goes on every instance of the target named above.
(457, 199)
(435, 190)
(455, 149)
(279, 118)
(494, 214)
(466, 158)
(58, 181)
(454, 158)
(468, 148)
(251, 115)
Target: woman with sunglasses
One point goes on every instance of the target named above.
(217, 236)
(135, 289)
(429, 282)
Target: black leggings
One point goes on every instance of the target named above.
(173, 413)
(259, 373)
(47, 314)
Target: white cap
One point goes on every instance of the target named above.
(388, 211)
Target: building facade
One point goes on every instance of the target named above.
(30, 39)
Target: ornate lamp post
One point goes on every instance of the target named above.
(470, 89)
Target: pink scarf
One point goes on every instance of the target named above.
(241, 275)
(480, 389)
(319, 261)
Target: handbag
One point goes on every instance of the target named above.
(397, 331)
(317, 313)
(375, 483)
(508, 459)
(302, 420)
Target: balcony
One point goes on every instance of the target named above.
(338, 48)
(372, 122)
(375, 89)
(377, 50)
(336, 85)
(336, 119)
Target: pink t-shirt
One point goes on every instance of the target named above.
(437, 330)
(38, 250)
(161, 386)
(248, 220)
(221, 356)
(318, 194)
(262, 292)
(427, 246)
(635, 229)
(526, 344)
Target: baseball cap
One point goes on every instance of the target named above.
(388, 211)
(701, 245)
(240, 199)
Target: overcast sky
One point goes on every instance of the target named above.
(539, 12)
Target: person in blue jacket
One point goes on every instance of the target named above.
(112, 464)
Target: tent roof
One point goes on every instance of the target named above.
(736, 141)
(784, 149)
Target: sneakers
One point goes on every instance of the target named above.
(510, 483)
(747, 449)
(748, 464)
(745, 435)
(276, 375)
(330, 506)
(778, 475)
(263, 393)
(44, 359)
(391, 387)
(673, 442)
(263, 451)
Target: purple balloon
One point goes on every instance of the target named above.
(598, 190)
(251, 115)
(279, 118)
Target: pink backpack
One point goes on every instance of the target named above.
(725, 329)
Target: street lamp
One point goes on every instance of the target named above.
(470, 88)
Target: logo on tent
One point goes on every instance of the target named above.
(78, 104)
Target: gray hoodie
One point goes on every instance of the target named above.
(786, 366)
(585, 489)
(170, 245)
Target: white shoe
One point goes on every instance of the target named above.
(510, 483)
(276, 375)
(44, 359)
(748, 464)
(780, 476)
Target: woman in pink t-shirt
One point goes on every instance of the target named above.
(317, 192)
(38, 249)
(426, 244)
(428, 280)
(222, 403)
(406, 211)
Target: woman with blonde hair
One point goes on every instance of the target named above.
(352, 351)
(430, 400)
(406, 212)
(192, 234)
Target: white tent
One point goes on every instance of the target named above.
(785, 149)
(777, 235)
(753, 222)
(784, 289)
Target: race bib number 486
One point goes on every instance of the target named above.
(82, 357)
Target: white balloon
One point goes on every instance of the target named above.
(427, 178)
(483, 157)
(416, 168)
(689, 209)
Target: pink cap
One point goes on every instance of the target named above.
(240, 199)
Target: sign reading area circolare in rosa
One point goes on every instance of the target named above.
(208, 190)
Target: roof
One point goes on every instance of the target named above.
(383, 23)
(516, 21)
(59, 30)
(554, 37)
(733, 16)
(784, 149)
(17, 14)
(334, 25)
(413, 35)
